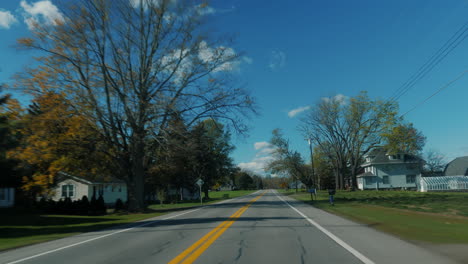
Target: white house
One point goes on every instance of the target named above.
(384, 171)
(76, 187)
(7, 197)
(300, 185)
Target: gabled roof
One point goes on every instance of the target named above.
(458, 166)
(63, 175)
(379, 156)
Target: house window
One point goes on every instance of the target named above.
(370, 180)
(393, 157)
(410, 178)
(68, 190)
(386, 180)
(3, 194)
(368, 159)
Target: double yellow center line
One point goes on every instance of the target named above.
(194, 251)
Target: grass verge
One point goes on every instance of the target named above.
(214, 197)
(439, 218)
(20, 227)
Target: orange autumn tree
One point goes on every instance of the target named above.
(55, 137)
(10, 113)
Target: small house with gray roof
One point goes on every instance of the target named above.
(457, 167)
(75, 188)
(389, 171)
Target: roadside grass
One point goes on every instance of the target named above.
(215, 196)
(19, 227)
(439, 218)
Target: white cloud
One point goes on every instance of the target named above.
(261, 145)
(41, 12)
(262, 158)
(177, 60)
(137, 3)
(182, 61)
(204, 10)
(342, 99)
(277, 60)
(257, 165)
(6, 19)
(207, 54)
(247, 60)
(297, 111)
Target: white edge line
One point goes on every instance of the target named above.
(106, 235)
(340, 242)
(120, 231)
(99, 237)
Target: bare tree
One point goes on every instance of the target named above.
(288, 161)
(366, 121)
(326, 126)
(435, 163)
(347, 130)
(127, 65)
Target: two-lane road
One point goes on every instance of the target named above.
(263, 227)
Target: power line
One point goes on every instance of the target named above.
(429, 69)
(438, 91)
(458, 37)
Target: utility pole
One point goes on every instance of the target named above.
(315, 181)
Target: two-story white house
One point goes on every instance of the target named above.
(385, 171)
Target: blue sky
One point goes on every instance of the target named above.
(302, 51)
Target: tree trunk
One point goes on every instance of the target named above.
(337, 178)
(136, 187)
(353, 178)
(296, 185)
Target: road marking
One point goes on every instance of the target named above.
(99, 237)
(340, 242)
(195, 250)
(110, 234)
(194, 246)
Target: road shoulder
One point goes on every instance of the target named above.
(377, 246)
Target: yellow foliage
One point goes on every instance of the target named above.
(27, 42)
(52, 141)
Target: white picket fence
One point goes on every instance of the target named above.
(443, 183)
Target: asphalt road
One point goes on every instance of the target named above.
(263, 227)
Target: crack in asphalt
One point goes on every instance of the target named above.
(181, 235)
(242, 243)
(303, 250)
(161, 248)
(240, 250)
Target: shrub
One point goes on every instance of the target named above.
(101, 206)
(93, 206)
(119, 206)
(67, 206)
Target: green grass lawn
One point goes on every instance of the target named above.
(427, 217)
(21, 227)
(214, 197)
